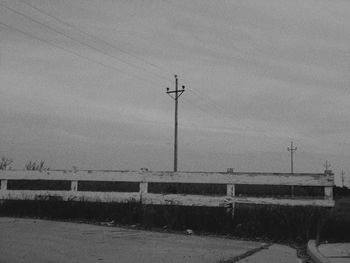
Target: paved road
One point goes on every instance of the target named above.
(274, 254)
(29, 240)
(336, 252)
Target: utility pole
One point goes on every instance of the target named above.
(327, 165)
(342, 178)
(291, 150)
(177, 93)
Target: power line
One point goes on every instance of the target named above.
(206, 112)
(89, 59)
(105, 65)
(72, 52)
(210, 102)
(197, 107)
(220, 111)
(204, 98)
(94, 37)
(71, 38)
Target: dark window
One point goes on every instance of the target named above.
(262, 190)
(108, 186)
(279, 191)
(309, 191)
(187, 188)
(58, 185)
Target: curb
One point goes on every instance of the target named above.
(315, 254)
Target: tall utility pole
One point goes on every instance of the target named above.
(291, 150)
(177, 93)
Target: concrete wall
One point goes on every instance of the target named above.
(143, 178)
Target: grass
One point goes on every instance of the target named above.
(277, 223)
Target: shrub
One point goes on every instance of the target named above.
(5, 163)
(36, 166)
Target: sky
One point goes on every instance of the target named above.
(83, 83)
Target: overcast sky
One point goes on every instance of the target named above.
(83, 83)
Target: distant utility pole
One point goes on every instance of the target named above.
(342, 178)
(177, 93)
(327, 165)
(291, 150)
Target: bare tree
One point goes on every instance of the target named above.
(5, 163)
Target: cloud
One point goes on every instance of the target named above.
(268, 72)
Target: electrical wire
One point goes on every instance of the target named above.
(71, 52)
(71, 38)
(94, 37)
(204, 98)
(206, 113)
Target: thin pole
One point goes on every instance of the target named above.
(291, 150)
(175, 136)
(177, 93)
(291, 160)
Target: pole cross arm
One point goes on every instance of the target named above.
(178, 93)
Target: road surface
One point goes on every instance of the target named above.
(33, 240)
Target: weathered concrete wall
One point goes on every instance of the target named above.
(145, 177)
